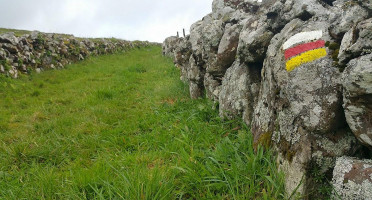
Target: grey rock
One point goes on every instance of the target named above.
(196, 40)
(212, 87)
(13, 72)
(228, 46)
(357, 83)
(253, 42)
(233, 98)
(357, 41)
(169, 45)
(11, 48)
(239, 91)
(9, 38)
(212, 67)
(366, 4)
(279, 13)
(3, 54)
(295, 107)
(194, 72)
(195, 90)
(350, 14)
(212, 34)
(182, 54)
(195, 76)
(220, 10)
(352, 179)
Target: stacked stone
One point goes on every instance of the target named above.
(39, 51)
(298, 72)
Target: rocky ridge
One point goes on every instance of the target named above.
(40, 51)
(298, 72)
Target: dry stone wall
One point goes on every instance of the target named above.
(40, 51)
(299, 72)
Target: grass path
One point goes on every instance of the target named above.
(122, 127)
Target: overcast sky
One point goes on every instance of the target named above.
(151, 20)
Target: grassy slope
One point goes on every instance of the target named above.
(122, 126)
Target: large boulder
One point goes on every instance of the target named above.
(300, 103)
(357, 82)
(352, 179)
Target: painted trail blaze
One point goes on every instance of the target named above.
(301, 49)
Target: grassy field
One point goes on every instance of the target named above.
(123, 127)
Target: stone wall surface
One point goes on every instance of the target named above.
(352, 179)
(40, 51)
(297, 71)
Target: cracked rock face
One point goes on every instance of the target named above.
(352, 179)
(357, 82)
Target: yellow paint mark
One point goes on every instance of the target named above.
(306, 57)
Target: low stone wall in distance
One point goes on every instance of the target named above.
(40, 51)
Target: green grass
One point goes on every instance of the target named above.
(122, 127)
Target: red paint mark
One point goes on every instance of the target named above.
(303, 48)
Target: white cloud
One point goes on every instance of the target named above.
(133, 20)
